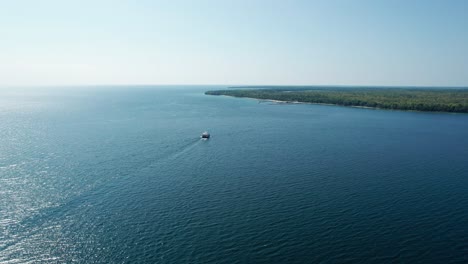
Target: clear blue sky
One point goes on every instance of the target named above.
(374, 42)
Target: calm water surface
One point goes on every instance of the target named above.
(119, 175)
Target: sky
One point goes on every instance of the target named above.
(238, 42)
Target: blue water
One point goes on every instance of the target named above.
(119, 175)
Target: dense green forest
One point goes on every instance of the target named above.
(416, 99)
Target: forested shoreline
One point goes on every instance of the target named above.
(420, 99)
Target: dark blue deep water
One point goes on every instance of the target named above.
(119, 175)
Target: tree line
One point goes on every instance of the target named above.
(438, 100)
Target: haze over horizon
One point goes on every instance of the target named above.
(52, 42)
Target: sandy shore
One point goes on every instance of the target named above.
(353, 106)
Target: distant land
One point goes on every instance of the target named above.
(428, 99)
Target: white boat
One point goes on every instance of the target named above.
(205, 135)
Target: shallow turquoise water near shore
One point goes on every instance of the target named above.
(119, 174)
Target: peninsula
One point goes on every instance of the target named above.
(412, 99)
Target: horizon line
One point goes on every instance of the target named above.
(235, 85)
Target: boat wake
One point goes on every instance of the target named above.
(185, 147)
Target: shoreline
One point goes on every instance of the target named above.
(274, 101)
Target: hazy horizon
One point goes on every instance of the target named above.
(231, 85)
(358, 43)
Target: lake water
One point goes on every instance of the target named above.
(120, 175)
